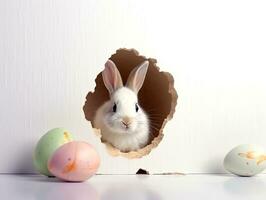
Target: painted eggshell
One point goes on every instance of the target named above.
(245, 160)
(74, 161)
(47, 145)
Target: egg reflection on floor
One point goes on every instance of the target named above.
(245, 187)
(44, 188)
(130, 191)
(79, 191)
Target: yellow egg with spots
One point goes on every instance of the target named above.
(74, 161)
(47, 145)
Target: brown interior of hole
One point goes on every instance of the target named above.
(157, 95)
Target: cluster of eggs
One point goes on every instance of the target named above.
(57, 154)
(245, 160)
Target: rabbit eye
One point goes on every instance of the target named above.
(114, 108)
(136, 107)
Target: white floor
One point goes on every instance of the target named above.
(132, 187)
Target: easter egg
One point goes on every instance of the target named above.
(47, 146)
(74, 161)
(245, 160)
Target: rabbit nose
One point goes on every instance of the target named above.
(126, 121)
(125, 124)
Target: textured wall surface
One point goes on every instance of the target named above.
(51, 51)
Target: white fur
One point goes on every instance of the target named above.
(110, 123)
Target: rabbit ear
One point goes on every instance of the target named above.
(111, 77)
(136, 77)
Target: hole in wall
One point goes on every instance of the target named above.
(157, 97)
(142, 172)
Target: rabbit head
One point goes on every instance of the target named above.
(123, 114)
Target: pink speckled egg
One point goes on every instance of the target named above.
(74, 161)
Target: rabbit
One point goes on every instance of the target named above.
(123, 123)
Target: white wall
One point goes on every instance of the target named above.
(51, 51)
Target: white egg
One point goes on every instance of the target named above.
(245, 160)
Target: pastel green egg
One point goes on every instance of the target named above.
(47, 145)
